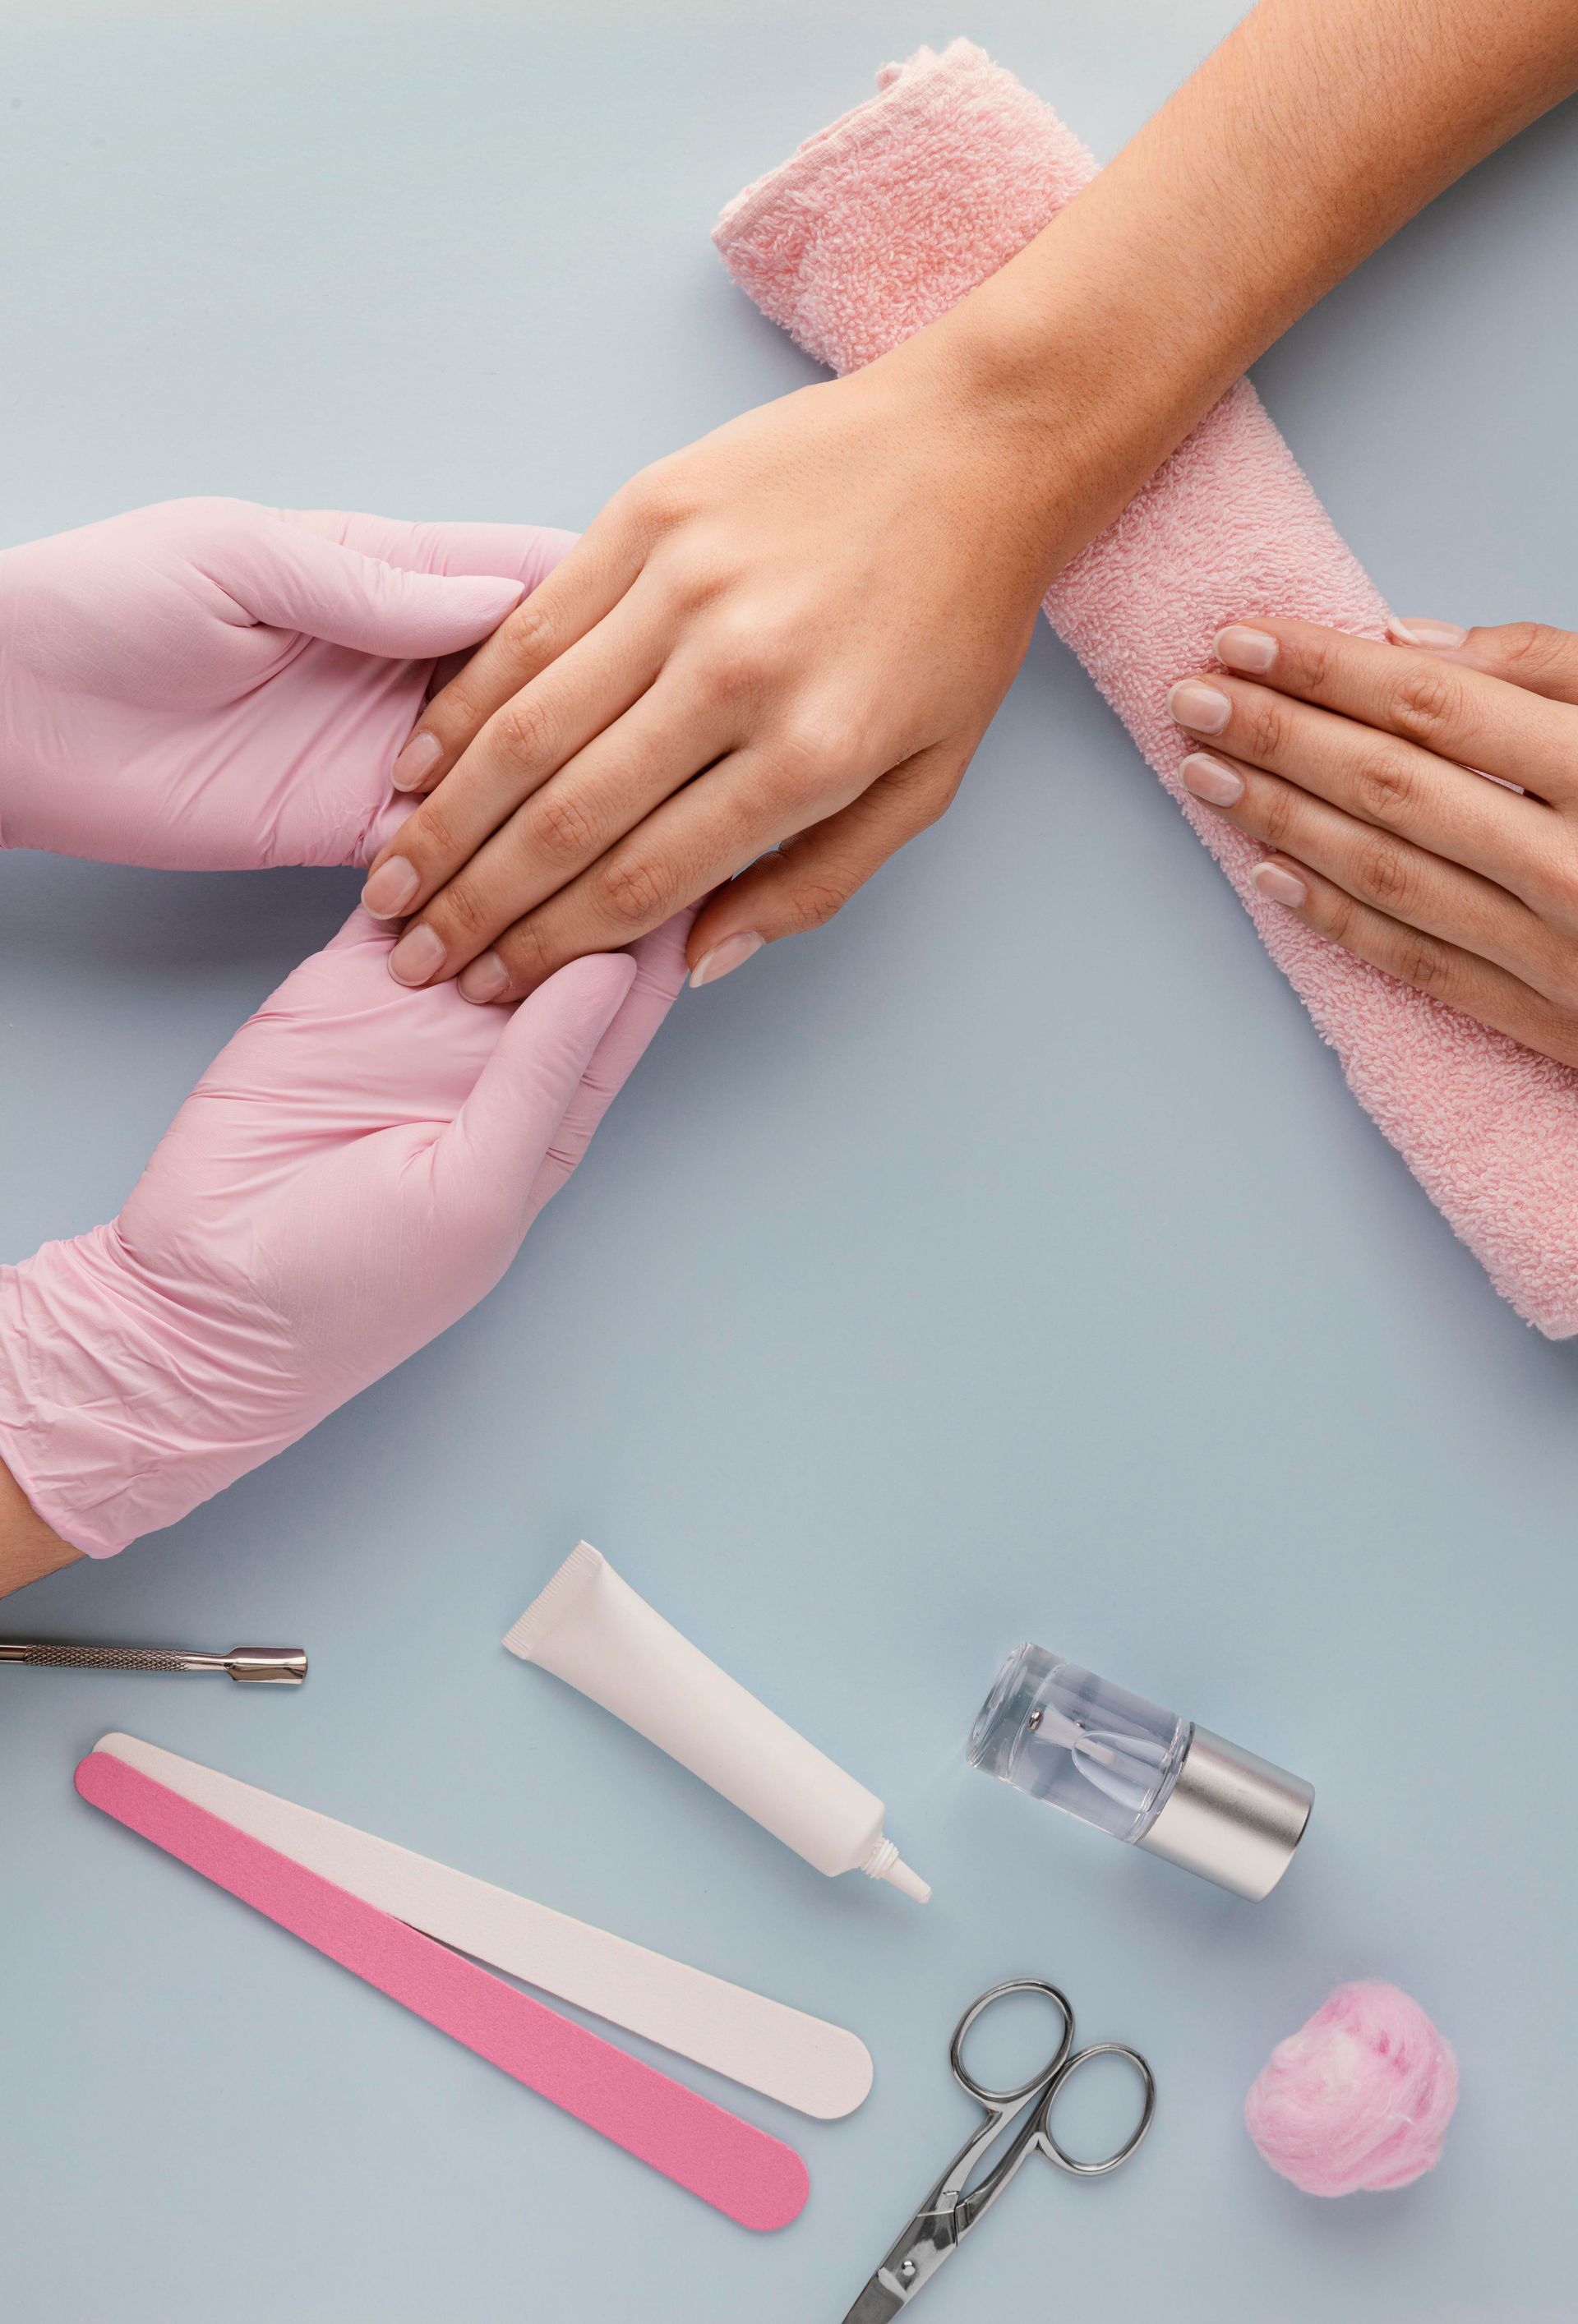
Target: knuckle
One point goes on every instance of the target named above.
(1527, 646)
(930, 808)
(1427, 703)
(814, 749)
(1551, 886)
(1267, 728)
(1314, 663)
(522, 729)
(1421, 961)
(1338, 921)
(737, 660)
(929, 790)
(631, 895)
(692, 574)
(428, 838)
(1385, 785)
(458, 710)
(461, 913)
(1383, 873)
(813, 905)
(653, 501)
(530, 630)
(1279, 816)
(525, 952)
(563, 828)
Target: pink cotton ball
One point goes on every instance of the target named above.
(1359, 2098)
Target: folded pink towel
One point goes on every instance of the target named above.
(884, 222)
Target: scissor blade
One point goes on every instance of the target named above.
(877, 2304)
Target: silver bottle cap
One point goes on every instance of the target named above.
(1232, 1817)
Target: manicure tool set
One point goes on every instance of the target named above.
(449, 1946)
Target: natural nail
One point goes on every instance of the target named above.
(1210, 781)
(1204, 707)
(420, 755)
(1245, 649)
(485, 978)
(1439, 637)
(390, 888)
(417, 956)
(732, 952)
(1282, 886)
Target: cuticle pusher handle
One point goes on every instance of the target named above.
(249, 1665)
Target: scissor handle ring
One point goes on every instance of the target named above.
(1063, 2160)
(962, 2073)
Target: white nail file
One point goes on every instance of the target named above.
(822, 2069)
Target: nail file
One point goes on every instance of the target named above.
(803, 2061)
(738, 2169)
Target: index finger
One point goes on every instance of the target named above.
(573, 599)
(1459, 714)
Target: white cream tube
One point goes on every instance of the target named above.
(593, 1630)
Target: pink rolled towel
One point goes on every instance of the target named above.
(884, 221)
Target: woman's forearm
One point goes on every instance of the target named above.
(1315, 131)
(29, 1548)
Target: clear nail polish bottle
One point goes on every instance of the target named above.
(1138, 1773)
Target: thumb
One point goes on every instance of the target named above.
(487, 1160)
(527, 553)
(813, 875)
(1541, 660)
(290, 579)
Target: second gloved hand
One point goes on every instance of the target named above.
(211, 686)
(356, 1170)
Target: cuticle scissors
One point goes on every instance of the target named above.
(953, 2207)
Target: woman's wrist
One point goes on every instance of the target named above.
(1030, 401)
(29, 1548)
(1305, 139)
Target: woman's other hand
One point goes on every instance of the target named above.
(1355, 763)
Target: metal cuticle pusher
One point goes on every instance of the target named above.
(249, 1665)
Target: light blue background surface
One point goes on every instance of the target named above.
(1008, 1261)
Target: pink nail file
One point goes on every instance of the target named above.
(729, 2163)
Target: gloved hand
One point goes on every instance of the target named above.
(210, 685)
(355, 1169)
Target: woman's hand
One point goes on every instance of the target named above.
(210, 685)
(354, 1170)
(777, 649)
(1353, 762)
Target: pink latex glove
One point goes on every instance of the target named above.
(354, 1170)
(210, 685)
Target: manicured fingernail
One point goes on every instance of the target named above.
(420, 755)
(417, 956)
(485, 978)
(390, 888)
(1281, 886)
(1245, 649)
(1440, 637)
(732, 954)
(1210, 781)
(1204, 707)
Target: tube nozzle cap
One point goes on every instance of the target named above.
(898, 1876)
